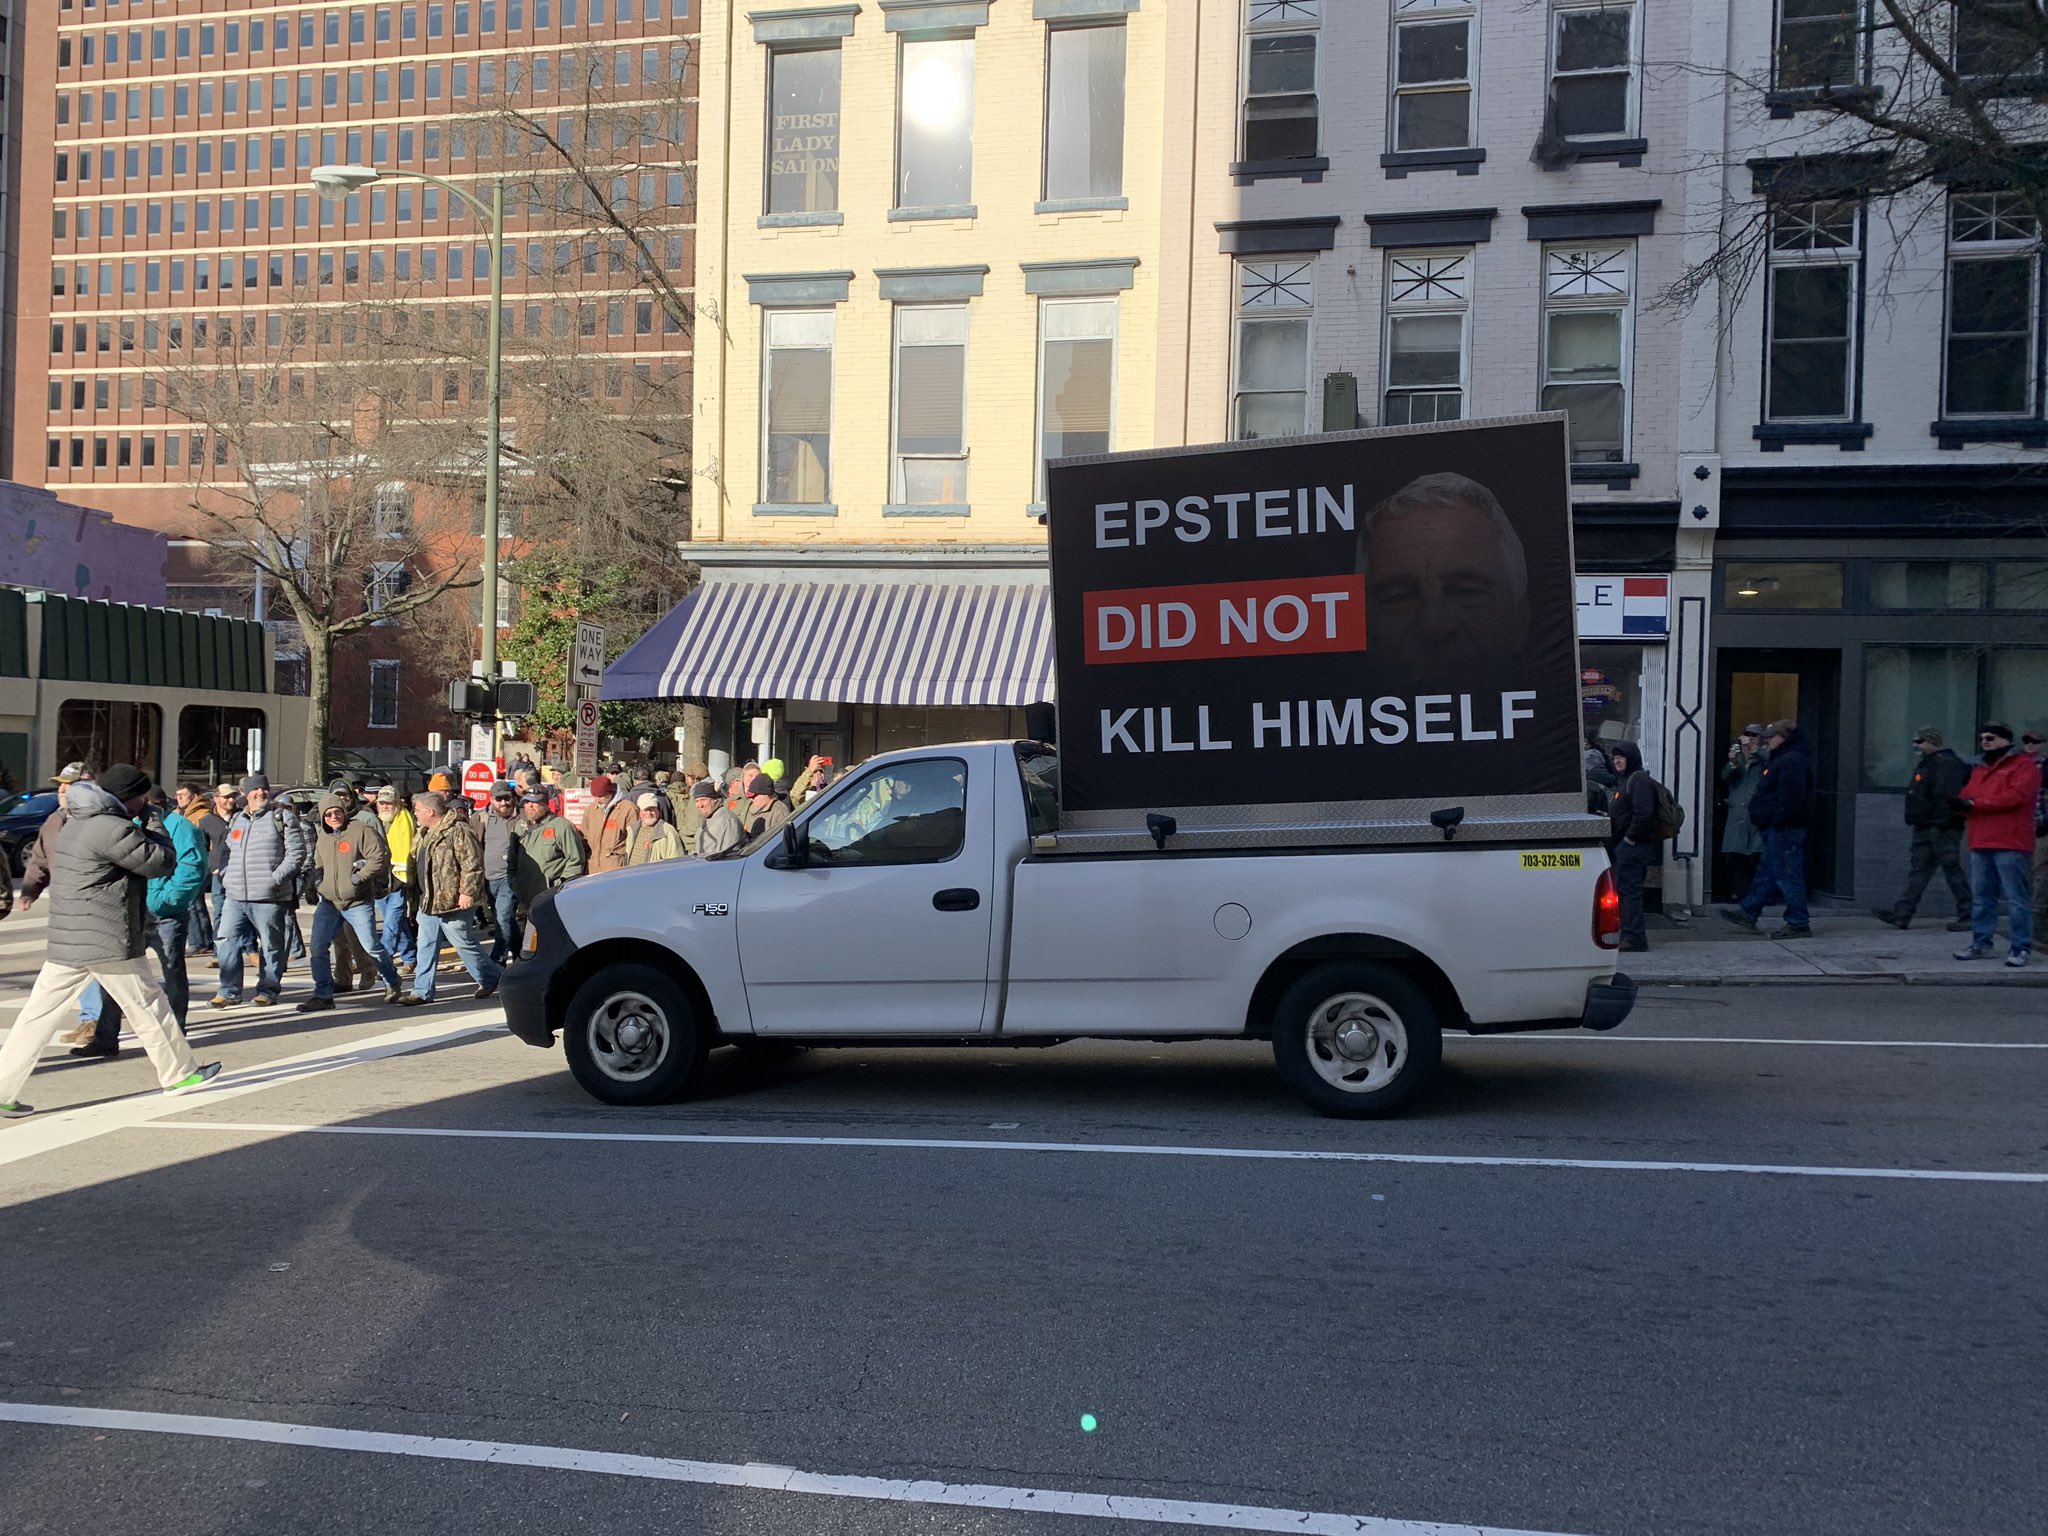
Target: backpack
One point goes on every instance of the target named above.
(1670, 814)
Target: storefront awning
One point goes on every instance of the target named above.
(850, 643)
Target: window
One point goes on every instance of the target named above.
(935, 124)
(1994, 271)
(1275, 299)
(1433, 74)
(929, 460)
(1084, 112)
(1076, 378)
(1758, 584)
(1811, 311)
(388, 581)
(1586, 347)
(1818, 43)
(1280, 110)
(1994, 39)
(1926, 585)
(384, 693)
(796, 413)
(1592, 69)
(803, 130)
(907, 813)
(1427, 298)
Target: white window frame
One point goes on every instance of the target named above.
(898, 486)
(1855, 10)
(776, 55)
(1596, 278)
(1108, 302)
(1423, 282)
(904, 69)
(2000, 226)
(1045, 188)
(1264, 288)
(380, 589)
(1409, 14)
(768, 319)
(397, 700)
(1278, 18)
(1790, 223)
(391, 510)
(1632, 121)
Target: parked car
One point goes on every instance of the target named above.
(21, 815)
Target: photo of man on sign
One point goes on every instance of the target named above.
(1385, 614)
(1446, 580)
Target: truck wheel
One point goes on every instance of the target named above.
(633, 1037)
(1357, 1039)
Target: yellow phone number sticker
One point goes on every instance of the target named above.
(1553, 861)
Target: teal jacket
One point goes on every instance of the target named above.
(172, 895)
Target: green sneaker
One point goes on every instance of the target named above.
(197, 1080)
(16, 1111)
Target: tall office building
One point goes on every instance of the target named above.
(169, 224)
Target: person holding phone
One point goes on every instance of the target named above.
(1741, 842)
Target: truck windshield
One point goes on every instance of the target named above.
(1039, 766)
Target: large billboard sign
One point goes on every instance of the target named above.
(1362, 616)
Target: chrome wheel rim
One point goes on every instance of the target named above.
(629, 1036)
(1357, 1042)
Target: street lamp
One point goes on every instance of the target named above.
(337, 182)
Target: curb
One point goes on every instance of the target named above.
(1859, 979)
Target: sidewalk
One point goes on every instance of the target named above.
(1847, 944)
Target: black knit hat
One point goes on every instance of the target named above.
(124, 781)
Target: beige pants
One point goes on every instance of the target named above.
(53, 1003)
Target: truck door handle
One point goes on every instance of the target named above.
(959, 899)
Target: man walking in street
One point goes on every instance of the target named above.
(1633, 846)
(352, 868)
(449, 867)
(549, 853)
(392, 914)
(1782, 809)
(500, 834)
(607, 824)
(720, 830)
(1741, 843)
(267, 856)
(1998, 804)
(194, 806)
(171, 900)
(98, 930)
(1937, 823)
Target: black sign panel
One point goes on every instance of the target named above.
(1363, 616)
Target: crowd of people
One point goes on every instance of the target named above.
(390, 880)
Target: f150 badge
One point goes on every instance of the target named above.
(712, 909)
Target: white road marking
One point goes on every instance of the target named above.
(1546, 1038)
(770, 1479)
(1115, 1149)
(56, 1129)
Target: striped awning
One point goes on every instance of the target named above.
(849, 643)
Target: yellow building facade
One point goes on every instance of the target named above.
(929, 257)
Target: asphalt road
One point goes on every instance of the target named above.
(1625, 1338)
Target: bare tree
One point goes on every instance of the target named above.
(312, 440)
(1878, 100)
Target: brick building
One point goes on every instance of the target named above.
(165, 210)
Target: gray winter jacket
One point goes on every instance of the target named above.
(100, 873)
(266, 856)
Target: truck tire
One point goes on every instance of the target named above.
(633, 1036)
(1357, 1039)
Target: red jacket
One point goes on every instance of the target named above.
(2001, 800)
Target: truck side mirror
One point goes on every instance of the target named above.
(796, 847)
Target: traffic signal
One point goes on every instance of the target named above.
(515, 698)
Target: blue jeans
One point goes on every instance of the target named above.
(169, 944)
(1781, 876)
(327, 921)
(398, 940)
(504, 907)
(263, 924)
(106, 1015)
(203, 916)
(460, 929)
(1996, 872)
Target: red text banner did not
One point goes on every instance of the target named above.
(1293, 616)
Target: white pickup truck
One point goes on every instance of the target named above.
(931, 899)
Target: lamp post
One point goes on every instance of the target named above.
(337, 182)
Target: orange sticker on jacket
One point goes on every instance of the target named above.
(548, 833)
(341, 847)
(235, 836)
